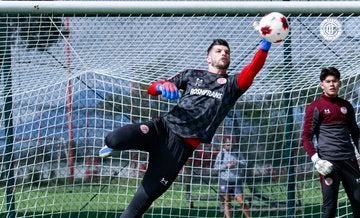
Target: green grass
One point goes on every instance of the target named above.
(80, 200)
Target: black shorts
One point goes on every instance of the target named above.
(167, 152)
(233, 187)
(166, 159)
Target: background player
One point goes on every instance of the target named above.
(208, 95)
(331, 120)
(229, 164)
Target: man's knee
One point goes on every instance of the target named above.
(119, 137)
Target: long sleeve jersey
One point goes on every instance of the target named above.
(229, 174)
(332, 121)
(207, 98)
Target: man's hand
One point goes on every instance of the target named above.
(230, 164)
(324, 167)
(168, 90)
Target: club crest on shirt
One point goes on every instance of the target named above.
(199, 82)
(221, 81)
(343, 110)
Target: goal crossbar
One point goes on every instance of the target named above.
(177, 7)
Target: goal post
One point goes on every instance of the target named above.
(72, 71)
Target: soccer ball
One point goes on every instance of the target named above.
(273, 27)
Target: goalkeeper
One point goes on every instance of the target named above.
(170, 140)
(331, 120)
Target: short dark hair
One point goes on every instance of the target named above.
(329, 71)
(218, 42)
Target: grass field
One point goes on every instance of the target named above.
(108, 200)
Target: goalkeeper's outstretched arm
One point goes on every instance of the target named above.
(247, 75)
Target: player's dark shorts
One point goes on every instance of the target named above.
(166, 159)
(167, 156)
(227, 187)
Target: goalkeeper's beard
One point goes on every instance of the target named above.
(221, 66)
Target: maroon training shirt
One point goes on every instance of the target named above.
(332, 121)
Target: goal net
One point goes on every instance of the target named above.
(69, 78)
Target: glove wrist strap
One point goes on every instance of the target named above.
(315, 158)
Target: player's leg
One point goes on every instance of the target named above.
(226, 195)
(166, 159)
(221, 202)
(351, 183)
(240, 199)
(227, 205)
(138, 205)
(152, 187)
(221, 195)
(132, 136)
(330, 189)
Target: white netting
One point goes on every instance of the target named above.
(98, 68)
